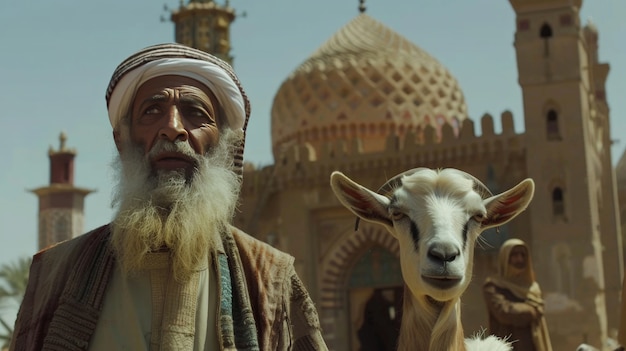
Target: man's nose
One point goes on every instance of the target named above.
(174, 127)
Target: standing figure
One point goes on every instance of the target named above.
(381, 322)
(514, 301)
(170, 272)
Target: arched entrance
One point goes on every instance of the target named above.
(375, 291)
(362, 265)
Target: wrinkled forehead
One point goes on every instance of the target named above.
(175, 89)
(167, 84)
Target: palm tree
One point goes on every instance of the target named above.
(13, 280)
(7, 335)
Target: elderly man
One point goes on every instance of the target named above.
(170, 272)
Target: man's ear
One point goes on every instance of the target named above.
(118, 139)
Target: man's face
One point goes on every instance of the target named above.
(174, 108)
(518, 257)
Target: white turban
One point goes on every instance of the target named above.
(214, 77)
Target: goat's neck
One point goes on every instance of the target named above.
(430, 326)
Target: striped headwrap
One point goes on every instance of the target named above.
(176, 59)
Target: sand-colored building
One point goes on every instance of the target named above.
(372, 104)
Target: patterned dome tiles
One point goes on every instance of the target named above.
(370, 79)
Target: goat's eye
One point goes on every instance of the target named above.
(479, 217)
(396, 215)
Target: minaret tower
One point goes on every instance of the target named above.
(61, 215)
(205, 25)
(576, 238)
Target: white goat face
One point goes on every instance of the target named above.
(436, 216)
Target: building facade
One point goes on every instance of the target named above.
(372, 104)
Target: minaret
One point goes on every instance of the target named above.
(205, 25)
(576, 243)
(61, 215)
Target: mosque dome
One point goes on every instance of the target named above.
(366, 82)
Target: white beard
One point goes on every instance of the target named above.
(183, 212)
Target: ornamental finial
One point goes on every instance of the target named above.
(62, 139)
(361, 6)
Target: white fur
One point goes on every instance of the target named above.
(428, 212)
(491, 343)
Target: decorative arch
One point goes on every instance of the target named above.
(324, 133)
(352, 128)
(401, 129)
(558, 202)
(384, 128)
(546, 33)
(343, 130)
(372, 129)
(552, 117)
(342, 257)
(553, 131)
(557, 193)
(315, 133)
(334, 133)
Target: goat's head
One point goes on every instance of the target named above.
(436, 215)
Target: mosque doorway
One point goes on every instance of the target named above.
(375, 300)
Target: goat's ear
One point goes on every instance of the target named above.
(361, 201)
(504, 207)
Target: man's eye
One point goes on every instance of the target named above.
(198, 115)
(149, 115)
(194, 112)
(152, 110)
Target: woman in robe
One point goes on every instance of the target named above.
(514, 301)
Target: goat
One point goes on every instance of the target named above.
(436, 216)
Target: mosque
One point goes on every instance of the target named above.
(372, 104)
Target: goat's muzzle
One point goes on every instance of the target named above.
(442, 282)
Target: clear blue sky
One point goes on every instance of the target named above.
(56, 58)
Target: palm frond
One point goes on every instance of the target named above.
(8, 335)
(13, 281)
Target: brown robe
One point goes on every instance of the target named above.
(515, 306)
(68, 282)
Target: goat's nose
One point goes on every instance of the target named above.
(443, 252)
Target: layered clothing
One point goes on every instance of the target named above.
(515, 303)
(262, 304)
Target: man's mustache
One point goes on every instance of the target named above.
(181, 147)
